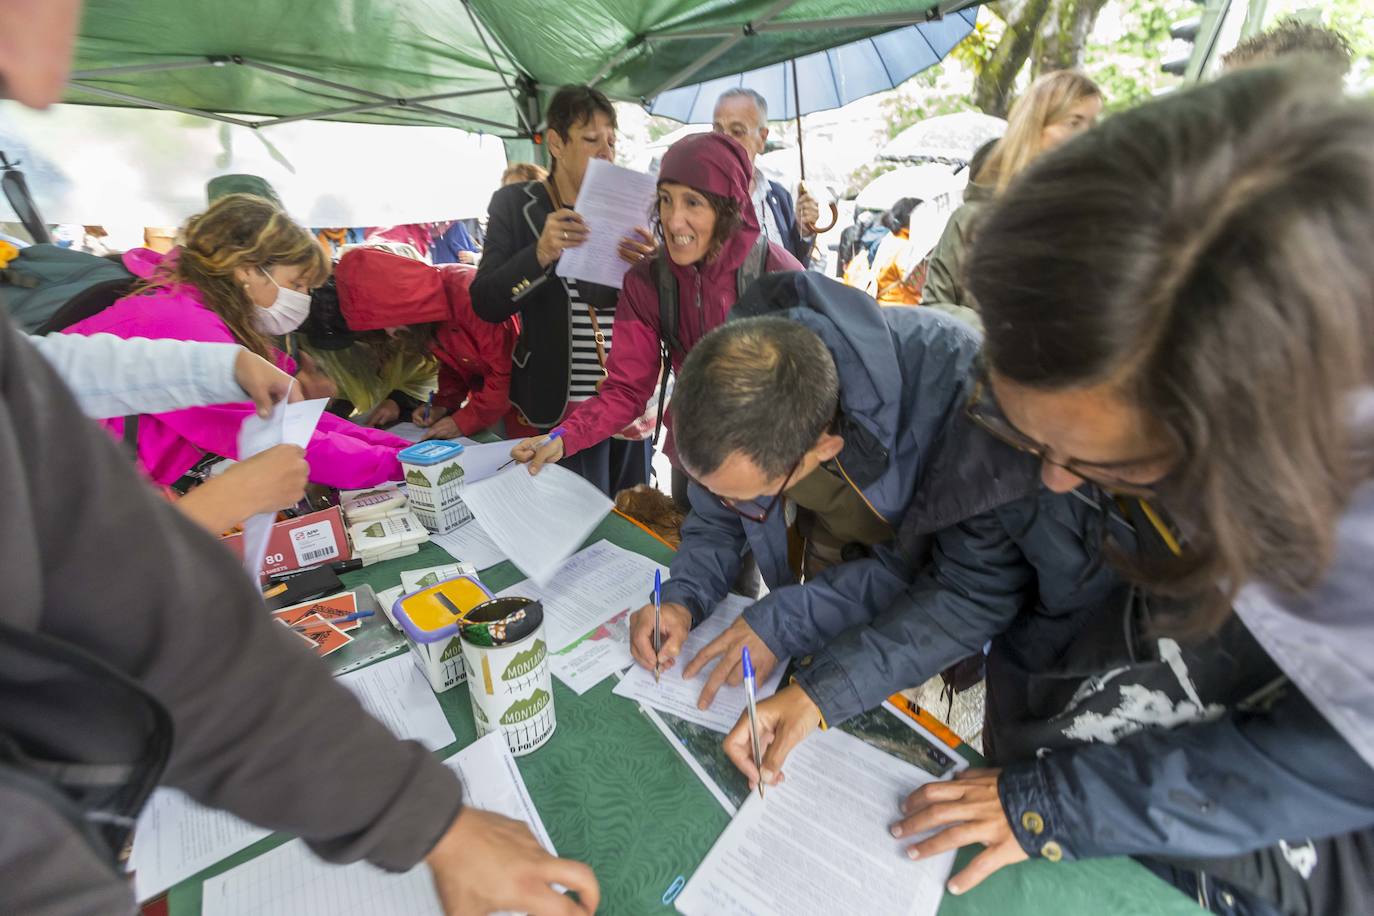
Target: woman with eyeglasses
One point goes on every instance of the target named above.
(1179, 310)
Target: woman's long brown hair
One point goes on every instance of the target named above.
(241, 230)
(1211, 255)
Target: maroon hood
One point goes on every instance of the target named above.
(718, 165)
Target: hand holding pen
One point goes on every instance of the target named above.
(538, 451)
(750, 694)
(658, 622)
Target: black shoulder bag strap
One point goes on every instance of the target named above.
(667, 331)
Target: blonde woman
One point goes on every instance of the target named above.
(1055, 108)
(242, 274)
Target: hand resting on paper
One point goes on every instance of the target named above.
(785, 719)
(965, 810)
(443, 428)
(528, 451)
(675, 622)
(727, 647)
(268, 481)
(383, 415)
(633, 250)
(264, 383)
(487, 863)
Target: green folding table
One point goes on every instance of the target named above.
(613, 793)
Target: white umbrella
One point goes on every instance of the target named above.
(938, 186)
(952, 138)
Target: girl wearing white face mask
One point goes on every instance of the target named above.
(242, 274)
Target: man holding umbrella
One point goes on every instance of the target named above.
(743, 114)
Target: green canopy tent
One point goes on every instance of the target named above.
(481, 65)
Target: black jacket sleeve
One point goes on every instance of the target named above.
(510, 269)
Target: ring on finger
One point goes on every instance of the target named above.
(565, 236)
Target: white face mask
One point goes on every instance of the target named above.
(287, 313)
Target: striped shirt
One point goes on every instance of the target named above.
(586, 368)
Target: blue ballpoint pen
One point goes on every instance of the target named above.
(429, 406)
(753, 714)
(555, 433)
(658, 607)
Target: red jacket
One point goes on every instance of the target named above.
(474, 356)
(632, 367)
(378, 289)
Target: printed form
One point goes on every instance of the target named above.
(819, 841)
(676, 695)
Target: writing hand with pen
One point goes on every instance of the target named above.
(964, 810)
(675, 622)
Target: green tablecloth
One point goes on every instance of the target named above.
(614, 794)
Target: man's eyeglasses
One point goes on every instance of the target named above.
(982, 409)
(750, 508)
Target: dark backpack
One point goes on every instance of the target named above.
(48, 288)
(668, 343)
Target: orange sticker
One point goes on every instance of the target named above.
(320, 633)
(328, 608)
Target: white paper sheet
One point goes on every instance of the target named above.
(178, 837)
(407, 431)
(399, 696)
(483, 459)
(289, 424)
(412, 580)
(675, 695)
(819, 842)
(614, 202)
(470, 544)
(289, 879)
(586, 611)
(537, 520)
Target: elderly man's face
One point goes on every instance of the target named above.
(738, 117)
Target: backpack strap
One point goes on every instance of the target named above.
(667, 331)
(754, 264)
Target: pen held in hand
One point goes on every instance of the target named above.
(753, 714)
(658, 620)
(556, 433)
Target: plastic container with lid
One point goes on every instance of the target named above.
(427, 619)
(434, 484)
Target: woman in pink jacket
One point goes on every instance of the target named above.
(706, 224)
(242, 275)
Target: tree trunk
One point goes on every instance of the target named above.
(992, 90)
(1063, 34)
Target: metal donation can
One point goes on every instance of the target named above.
(507, 659)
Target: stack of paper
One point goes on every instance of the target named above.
(387, 538)
(177, 837)
(819, 842)
(289, 879)
(369, 505)
(538, 521)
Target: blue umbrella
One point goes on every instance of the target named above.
(827, 79)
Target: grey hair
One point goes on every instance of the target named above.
(742, 92)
